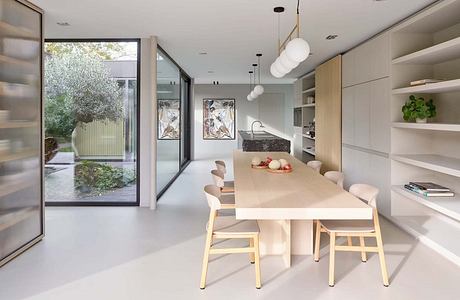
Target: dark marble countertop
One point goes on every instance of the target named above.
(258, 136)
(262, 141)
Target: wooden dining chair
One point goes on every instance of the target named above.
(225, 186)
(227, 227)
(315, 164)
(220, 165)
(354, 228)
(336, 177)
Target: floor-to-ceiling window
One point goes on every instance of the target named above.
(91, 122)
(173, 121)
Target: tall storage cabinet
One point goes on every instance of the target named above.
(21, 148)
(328, 114)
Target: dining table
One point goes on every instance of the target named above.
(286, 204)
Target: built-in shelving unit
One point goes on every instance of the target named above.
(428, 126)
(427, 46)
(306, 94)
(21, 161)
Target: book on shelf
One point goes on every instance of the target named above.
(424, 81)
(425, 193)
(429, 186)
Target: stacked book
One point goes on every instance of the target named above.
(429, 189)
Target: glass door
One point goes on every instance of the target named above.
(21, 203)
(173, 121)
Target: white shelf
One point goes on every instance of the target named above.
(435, 232)
(438, 87)
(436, 54)
(308, 105)
(311, 74)
(438, 163)
(449, 206)
(310, 91)
(428, 126)
(308, 137)
(309, 151)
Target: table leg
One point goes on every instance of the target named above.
(286, 225)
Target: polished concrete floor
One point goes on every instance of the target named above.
(133, 253)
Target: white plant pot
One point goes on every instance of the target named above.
(418, 120)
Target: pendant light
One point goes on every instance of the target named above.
(292, 51)
(249, 97)
(258, 89)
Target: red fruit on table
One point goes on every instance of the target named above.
(269, 159)
(287, 167)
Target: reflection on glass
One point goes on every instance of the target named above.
(168, 95)
(91, 119)
(20, 105)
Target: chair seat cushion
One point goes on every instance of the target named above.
(230, 225)
(227, 199)
(349, 225)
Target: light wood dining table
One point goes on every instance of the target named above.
(285, 205)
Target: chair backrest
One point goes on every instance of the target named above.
(336, 177)
(213, 193)
(218, 178)
(365, 192)
(220, 165)
(315, 164)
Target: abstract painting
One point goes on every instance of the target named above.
(168, 119)
(219, 119)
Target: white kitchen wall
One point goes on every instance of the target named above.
(274, 108)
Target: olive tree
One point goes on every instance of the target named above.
(78, 88)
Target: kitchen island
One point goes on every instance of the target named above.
(262, 141)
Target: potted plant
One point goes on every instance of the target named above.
(418, 110)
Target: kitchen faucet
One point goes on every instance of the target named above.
(252, 127)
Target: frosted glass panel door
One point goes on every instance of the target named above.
(21, 202)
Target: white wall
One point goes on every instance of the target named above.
(147, 130)
(273, 108)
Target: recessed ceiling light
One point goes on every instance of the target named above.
(203, 53)
(331, 37)
(63, 23)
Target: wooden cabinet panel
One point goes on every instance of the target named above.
(362, 115)
(328, 114)
(380, 115)
(348, 115)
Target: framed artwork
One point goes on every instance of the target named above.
(219, 119)
(168, 119)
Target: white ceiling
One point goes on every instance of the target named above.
(230, 31)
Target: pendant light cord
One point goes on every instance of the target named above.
(258, 61)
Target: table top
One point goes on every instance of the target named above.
(302, 194)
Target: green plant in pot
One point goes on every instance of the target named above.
(418, 110)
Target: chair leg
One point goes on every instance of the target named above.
(383, 265)
(317, 240)
(257, 261)
(204, 269)
(363, 253)
(251, 254)
(349, 241)
(331, 259)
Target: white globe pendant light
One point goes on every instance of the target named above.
(285, 61)
(253, 95)
(282, 69)
(297, 50)
(275, 72)
(249, 97)
(259, 90)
